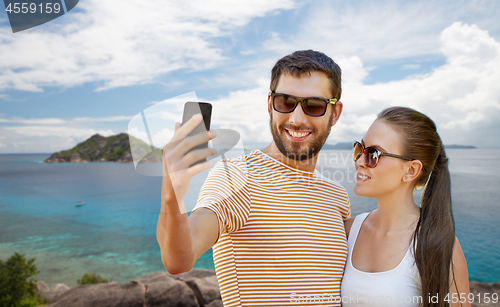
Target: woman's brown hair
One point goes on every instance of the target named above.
(435, 232)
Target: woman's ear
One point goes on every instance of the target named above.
(414, 169)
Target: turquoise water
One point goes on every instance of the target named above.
(113, 234)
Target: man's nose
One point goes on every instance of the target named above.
(298, 116)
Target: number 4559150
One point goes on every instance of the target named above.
(24, 8)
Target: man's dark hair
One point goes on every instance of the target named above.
(306, 61)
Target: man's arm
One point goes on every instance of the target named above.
(184, 239)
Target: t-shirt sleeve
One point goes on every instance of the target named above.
(348, 211)
(226, 193)
(344, 205)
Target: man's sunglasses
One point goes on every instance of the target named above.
(312, 106)
(372, 155)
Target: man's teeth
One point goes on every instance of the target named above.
(298, 134)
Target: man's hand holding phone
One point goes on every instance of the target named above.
(182, 157)
(184, 239)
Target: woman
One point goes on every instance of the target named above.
(402, 254)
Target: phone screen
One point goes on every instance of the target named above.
(192, 108)
(205, 108)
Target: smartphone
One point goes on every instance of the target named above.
(191, 108)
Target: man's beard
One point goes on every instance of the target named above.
(293, 150)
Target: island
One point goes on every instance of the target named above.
(454, 146)
(341, 146)
(115, 148)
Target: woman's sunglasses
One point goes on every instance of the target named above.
(312, 106)
(372, 155)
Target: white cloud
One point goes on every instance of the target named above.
(56, 131)
(33, 121)
(37, 145)
(460, 96)
(123, 42)
(56, 121)
(141, 41)
(139, 134)
(378, 31)
(44, 139)
(103, 119)
(162, 137)
(246, 112)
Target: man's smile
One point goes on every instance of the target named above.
(297, 135)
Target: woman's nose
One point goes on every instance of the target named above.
(360, 161)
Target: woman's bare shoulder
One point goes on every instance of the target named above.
(347, 225)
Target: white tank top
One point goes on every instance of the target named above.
(397, 287)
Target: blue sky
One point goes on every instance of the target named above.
(93, 69)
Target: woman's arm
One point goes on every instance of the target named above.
(459, 278)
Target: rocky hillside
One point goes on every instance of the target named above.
(115, 148)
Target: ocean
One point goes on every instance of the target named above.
(113, 233)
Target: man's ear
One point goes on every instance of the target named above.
(269, 104)
(336, 112)
(414, 169)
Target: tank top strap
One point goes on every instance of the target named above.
(355, 227)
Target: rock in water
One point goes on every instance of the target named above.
(484, 292)
(192, 289)
(43, 289)
(166, 290)
(57, 290)
(111, 294)
(216, 303)
(204, 284)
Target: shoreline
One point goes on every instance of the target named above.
(203, 283)
(56, 267)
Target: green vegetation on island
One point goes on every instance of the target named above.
(115, 148)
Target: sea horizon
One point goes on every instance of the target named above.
(254, 146)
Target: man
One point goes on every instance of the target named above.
(277, 224)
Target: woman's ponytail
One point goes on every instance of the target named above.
(435, 232)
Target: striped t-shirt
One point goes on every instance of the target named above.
(281, 233)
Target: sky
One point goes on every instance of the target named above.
(95, 68)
